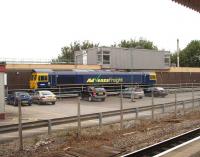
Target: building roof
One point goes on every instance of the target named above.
(193, 4)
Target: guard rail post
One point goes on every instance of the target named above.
(100, 120)
(79, 116)
(152, 104)
(81, 88)
(49, 127)
(175, 94)
(59, 90)
(121, 109)
(20, 124)
(192, 97)
(163, 109)
(7, 91)
(183, 107)
(132, 95)
(136, 113)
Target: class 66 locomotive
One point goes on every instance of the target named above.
(46, 78)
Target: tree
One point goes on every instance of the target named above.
(173, 58)
(189, 56)
(141, 44)
(67, 52)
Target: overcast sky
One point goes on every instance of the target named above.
(40, 28)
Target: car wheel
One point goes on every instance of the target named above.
(53, 103)
(29, 104)
(89, 98)
(8, 102)
(39, 103)
(103, 99)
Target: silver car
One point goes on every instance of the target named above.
(44, 97)
(133, 93)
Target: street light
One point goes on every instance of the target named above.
(178, 50)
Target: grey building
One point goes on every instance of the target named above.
(124, 58)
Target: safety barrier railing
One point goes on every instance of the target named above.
(74, 90)
(94, 116)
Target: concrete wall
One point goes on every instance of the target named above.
(49, 66)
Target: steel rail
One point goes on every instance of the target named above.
(160, 147)
(93, 116)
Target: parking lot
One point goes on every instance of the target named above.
(68, 107)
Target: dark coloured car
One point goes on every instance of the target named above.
(15, 97)
(93, 93)
(157, 92)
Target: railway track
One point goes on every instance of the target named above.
(158, 148)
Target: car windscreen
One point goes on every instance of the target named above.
(46, 93)
(160, 88)
(22, 94)
(138, 89)
(100, 89)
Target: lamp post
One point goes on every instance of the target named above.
(178, 50)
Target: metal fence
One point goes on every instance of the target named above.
(110, 117)
(111, 89)
(36, 61)
(135, 112)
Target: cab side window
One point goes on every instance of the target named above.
(42, 78)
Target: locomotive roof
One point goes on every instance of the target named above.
(98, 72)
(42, 70)
(82, 72)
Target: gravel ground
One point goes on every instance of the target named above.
(135, 135)
(196, 155)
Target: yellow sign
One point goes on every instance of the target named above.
(103, 80)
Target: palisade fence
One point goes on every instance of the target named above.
(72, 90)
(36, 61)
(121, 116)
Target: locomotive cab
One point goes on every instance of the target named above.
(39, 80)
(152, 78)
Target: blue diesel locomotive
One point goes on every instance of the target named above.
(46, 78)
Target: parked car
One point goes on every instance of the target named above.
(15, 97)
(157, 92)
(44, 97)
(133, 92)
(91, 93)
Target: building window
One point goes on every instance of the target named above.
(106, 59)
(103, 57)
(167, 59)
